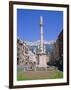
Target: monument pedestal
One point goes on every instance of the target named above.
(42, 60)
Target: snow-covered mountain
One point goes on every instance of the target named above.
(34, 46)
(36, 43)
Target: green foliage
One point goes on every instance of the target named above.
(54, 74)
(57, 74)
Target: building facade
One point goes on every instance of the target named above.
(25, 58)
(56, 57)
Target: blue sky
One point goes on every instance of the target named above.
(28, 24)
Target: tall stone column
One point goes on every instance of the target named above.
(41, 35)
(42, 56)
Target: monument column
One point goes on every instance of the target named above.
(41, 55)
(41, 35)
